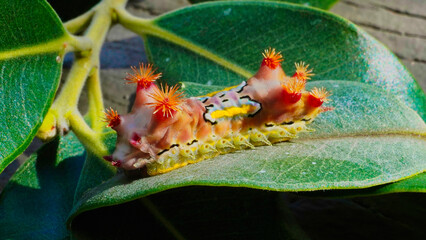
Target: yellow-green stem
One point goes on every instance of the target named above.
(96, 104)
(81, 22)
(90, 139)
(64, 113)
(76, 43)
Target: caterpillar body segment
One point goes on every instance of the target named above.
(178, 157)
(165, 130)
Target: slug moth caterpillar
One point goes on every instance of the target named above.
(165, 130)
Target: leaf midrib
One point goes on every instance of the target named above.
(151, 28)
(55, 45)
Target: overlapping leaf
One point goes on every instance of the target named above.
(31, 38)
(220, 43)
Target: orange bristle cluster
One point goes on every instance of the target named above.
(144, 77)
(302, 71)
(293, 85)
(318, 96)
(112, 118)
(271, 58)
(166, 99)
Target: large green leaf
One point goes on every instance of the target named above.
(371, 138)
(38, 198)
(31, 43)
(323, 4)
(220, 43)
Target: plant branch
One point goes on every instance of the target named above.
(81, 22)
(63, 114)
(96, 104)
(77, 43)
(90, 139)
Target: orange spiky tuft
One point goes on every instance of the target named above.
(293, 85)
(318, 96)
(112, 118)
(292, 90)
(271, 58)
(302, 71)
(166, 99)
(143, 77)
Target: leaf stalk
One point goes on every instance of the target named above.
(64, 114)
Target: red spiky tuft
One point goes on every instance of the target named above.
(167, 100)
(302, 71)
(271, 58)
(318, 96)
(143, 77)
(112, 118)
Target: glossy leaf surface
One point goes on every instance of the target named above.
(220, 43)
(31, 38)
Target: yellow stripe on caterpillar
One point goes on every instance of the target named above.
(233, 111)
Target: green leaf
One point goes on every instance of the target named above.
(416, 184)
(220, 43)
(371, 138)
(38, 198)
(31, 43)
(323, 4)
(95, 170)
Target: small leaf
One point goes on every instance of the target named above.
(370, 139)
(324, 4)
(220, 44)
(38, 198)
(31, 43)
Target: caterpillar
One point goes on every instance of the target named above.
(165, 130)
